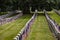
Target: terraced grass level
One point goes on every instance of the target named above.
(40, 30)
(55, 17)
(10, 30)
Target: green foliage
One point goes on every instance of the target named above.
(24, 5)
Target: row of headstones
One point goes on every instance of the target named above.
(57, 11)
(9, 13)
(25, 30)
(7, 20)
(55, 28)
(6, 15)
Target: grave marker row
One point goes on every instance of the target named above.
(55, 28)
(57, 11)
(25, 30)
(7, 20)
(10, 13)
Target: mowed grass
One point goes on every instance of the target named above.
(40, 29)
(3, 13)
(55, 17)
(10, 30)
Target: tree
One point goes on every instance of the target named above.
(24, 5)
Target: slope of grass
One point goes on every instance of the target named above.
(10, 30)
(40, 30)
(55, 17)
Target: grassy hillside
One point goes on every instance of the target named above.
(55, 17)
(40, 30)
(10, 30)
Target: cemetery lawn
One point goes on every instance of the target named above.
(3, 13)
(10, 30)
(40, 30)
(55, 17)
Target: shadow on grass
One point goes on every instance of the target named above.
(41, 14)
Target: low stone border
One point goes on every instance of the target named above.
(7, 20)
(25, 30)
(10, 13)
(55, 28)
(57, 12)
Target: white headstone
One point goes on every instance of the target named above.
(36, 11)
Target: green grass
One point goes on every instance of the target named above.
(40, 30)
(10, 30)
(3, 13)
(55, 17)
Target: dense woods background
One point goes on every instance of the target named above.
(11, 5)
